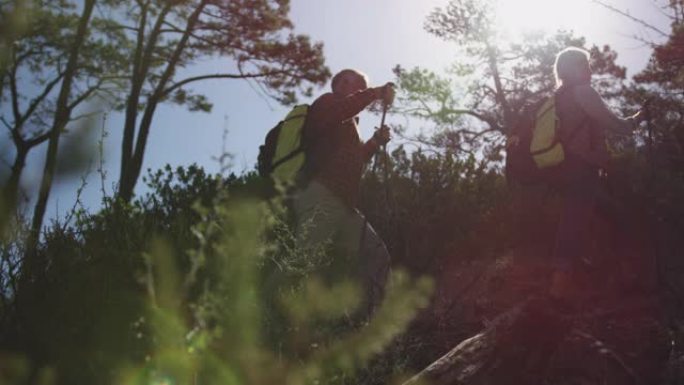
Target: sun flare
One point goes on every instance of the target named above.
(519, 16)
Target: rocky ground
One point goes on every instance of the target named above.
(619, 332)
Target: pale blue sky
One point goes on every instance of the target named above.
(370, 35)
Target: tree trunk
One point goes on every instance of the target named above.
(143, 60)
(139, 72)
(133, 165)
(500, 92)
(62, 116)
(11, 189)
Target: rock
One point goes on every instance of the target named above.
(535, 342)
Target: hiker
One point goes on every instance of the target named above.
(584, 119)
(325, 205)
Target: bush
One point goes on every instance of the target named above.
(179, 287)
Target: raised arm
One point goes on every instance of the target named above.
(331, 109)
(592, 103)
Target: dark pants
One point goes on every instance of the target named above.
(573, 237)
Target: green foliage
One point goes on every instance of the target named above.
(200, 281)
(184, 285)
(437, 208)
(470, 108)
(130, 56)
(14, 20)
(659, 89)
(466, 22)
(254, 39)
(441, 210)
(53, 67)
(35, 68)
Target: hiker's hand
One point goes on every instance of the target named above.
(382, 135)
(386, 93)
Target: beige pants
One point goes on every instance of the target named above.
(356, 250)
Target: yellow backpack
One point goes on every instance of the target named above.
(545, 147)
(282, 154)
(535, 149)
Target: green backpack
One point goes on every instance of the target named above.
(282, 155)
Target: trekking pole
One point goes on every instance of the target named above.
(383, 148)
(364, 229)
(374, 169)
(385, 161)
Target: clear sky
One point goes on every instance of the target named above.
(370, 35)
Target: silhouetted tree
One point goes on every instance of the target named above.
(36, 73)
(169, 36)
(493, 81)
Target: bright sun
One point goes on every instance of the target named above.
(518, 16)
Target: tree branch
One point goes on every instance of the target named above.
(152, 40)
(24, 56)
(14, 93)
(38, 139)
(86, 115)
(116, 27)
(39, 99)
(416, 111)
(629, 16)
(85, 95)
(134, 94)
(7, 125)
(219, 76)
(474, 135)
(493, 125)
(134, 164)
(180, 47)
(3, 75)
(210, 14)
(193, 35)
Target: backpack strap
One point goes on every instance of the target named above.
(287, 157)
